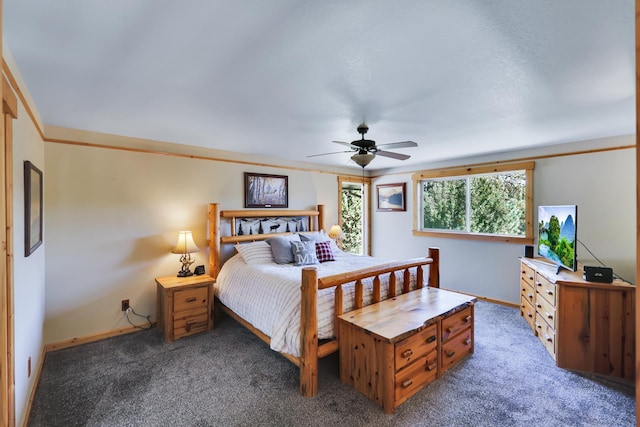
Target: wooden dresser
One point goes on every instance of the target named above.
(585, 326)
(391, 350)
(184, 305)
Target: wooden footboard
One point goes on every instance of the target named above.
(310, 350)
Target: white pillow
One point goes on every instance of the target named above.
(255, 252)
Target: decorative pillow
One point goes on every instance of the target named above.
(304, 253)
(281, 248)
(255, 252)
(324, 252)
(314, 236)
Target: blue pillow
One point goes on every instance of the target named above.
(304, 253)
(281, 248)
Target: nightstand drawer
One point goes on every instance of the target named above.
(190, 324)
(190, 299)
(416, 346)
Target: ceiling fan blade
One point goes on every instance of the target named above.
(326, 154)
(392, 155)
(346, 144)
(403, 144)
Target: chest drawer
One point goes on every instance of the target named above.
(546, 311)
(546, 289)
(415, 376)
(546, 335)
(457, 348)
(190, 325)
(456, 323)
(528, 312)
(190, 299)
(416, 346)
(527, 274)
(527, 291)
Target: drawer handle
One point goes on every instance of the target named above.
(467, 341)
(529, 314)
(192, 299)
(539, 283)
(467, 319)
(451, 353)
(433, 366)
(539, 305)
(449, 329)
(548, 338)
(432, 338)
(530, 296)
(550, 293)
(407, 353)
(549, 316)
(191, 323)
(539, 326)
(530, 277)
(406, 383)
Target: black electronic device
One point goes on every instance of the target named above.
(528, 251)
(199, 270)
(598, 274)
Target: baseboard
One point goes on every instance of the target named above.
(34, 387)
(90, 338)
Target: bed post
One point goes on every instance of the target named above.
(309, 333)
(434, 268)
(214, 239)
(320, 217)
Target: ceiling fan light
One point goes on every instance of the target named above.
(362, 159)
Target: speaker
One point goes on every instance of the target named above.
(597, 274)
(528, 251)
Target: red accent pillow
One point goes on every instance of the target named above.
(324, 252)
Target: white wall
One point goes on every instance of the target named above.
(601, 184)
(113, 216)
(29, 272)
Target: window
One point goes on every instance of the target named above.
(484, 202)
(353, 208)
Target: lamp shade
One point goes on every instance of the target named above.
(362, 159)
(185, 245)
(335, 232)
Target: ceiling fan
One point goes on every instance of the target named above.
(366, 149)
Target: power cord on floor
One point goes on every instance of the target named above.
(131, 310)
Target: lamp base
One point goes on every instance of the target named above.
(185, 273)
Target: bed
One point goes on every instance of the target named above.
(293, 308)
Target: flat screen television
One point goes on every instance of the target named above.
(557, 235)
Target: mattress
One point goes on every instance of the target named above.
(268, 295)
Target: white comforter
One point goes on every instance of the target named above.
(268, 295)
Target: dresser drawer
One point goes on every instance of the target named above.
(456, 348)
(527, 274)
(546, 289)
(546, 311)
(416, 346)
(455, 323)
(190, 299)
(190, 325)
(527, 291)
(546, 334)
(415, 376)
(528, 312)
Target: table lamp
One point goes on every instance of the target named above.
(185, 247)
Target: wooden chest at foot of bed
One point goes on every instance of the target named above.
(391, 350)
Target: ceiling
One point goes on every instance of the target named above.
(284, 78)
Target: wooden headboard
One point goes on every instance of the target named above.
(230, 234)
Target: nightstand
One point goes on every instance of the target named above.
(183, 305)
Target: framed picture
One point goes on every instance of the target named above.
(32, 208)
(391, 197)
(266, 191)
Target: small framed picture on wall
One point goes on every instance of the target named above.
(391, 197)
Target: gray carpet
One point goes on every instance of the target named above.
(229, 377)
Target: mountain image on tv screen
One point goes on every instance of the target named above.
(557, 234)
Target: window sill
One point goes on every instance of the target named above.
(469, 236)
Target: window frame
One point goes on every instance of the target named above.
(465, 172)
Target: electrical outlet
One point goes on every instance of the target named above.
(125, 304)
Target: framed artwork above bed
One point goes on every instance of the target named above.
(266, 191)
